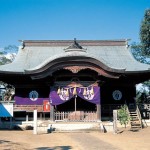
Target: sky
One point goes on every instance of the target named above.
(69, 19)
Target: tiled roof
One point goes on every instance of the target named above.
(115, 54)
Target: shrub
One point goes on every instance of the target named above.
(123, 115)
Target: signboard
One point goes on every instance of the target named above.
(46, 106)
(6, 110)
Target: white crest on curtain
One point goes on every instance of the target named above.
(63, 95)
(89, 94)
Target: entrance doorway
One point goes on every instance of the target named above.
(76, 104)
(76, 109)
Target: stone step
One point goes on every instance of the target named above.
(135, 129)
(136, 126)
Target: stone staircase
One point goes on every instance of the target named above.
(135, 119)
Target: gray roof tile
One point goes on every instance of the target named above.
(113, 56)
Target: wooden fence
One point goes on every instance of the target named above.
(83, 116)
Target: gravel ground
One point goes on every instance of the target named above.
(26, 140)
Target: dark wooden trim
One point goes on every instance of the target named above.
(28, 43)
(86, 62)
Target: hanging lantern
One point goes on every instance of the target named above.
(58, 91)
(75, 91)
(92, 90)
(67, 92)
(84, 92)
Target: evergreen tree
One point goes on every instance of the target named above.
(145, 33)
(136, 50)
(11, 50)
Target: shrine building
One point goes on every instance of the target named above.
(71, 80)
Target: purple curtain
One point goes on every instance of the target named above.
(28, 101)
(64, 95)
(90, 97)
(56, 99)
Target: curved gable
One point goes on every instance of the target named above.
(111, 56)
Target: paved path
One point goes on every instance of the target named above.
(89, 142)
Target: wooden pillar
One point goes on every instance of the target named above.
(40, 116)
(75, 103)
(98, 112)
(52, 114)
(10, 122)
(115, 121)
(13, 117)
(35, 122)
(0, 122)
(27, 117)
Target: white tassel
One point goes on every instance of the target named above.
(75, 91)
(58, 91)
(84, 92)
(92, 91)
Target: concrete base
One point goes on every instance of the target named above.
(73, 126)
(48, 126)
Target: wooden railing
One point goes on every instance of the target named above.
(86, 116)
(106, 111)
(28, 108)
(83, 116)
